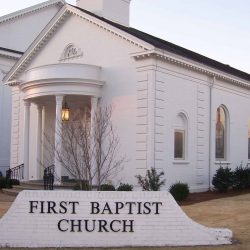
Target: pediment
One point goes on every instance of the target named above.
(71, 50)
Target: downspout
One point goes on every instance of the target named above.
(210, 130)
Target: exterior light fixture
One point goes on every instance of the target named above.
(65, 112)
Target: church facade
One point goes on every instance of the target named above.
(174, 109)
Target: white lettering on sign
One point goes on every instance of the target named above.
(102, 219)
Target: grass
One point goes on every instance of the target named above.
(232, 213)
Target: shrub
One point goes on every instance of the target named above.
(152, 181)
(76, 187)
(80, 185)
(107, 187)
(3, 182)
(248, 176)
(125, 187)
(241, 178)
(15, 182)
(223, 179)
(180, 191)
(8, 183)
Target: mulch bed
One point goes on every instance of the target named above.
(192, 198)
(211, 195)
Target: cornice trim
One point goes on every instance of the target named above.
(37, 45)
(60, 82)
(10, 55)
(111, 29)
(191, 66)
(13, 83)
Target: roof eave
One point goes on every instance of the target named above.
(10, 54)
(25, 57)
(183, 62)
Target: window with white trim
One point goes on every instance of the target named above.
(179, 144)
(180, 137)
(221, 134)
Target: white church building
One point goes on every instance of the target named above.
(174, 109)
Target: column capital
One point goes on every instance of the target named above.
(94, 100)
(59, 99)
(39, 107)
(26, 103)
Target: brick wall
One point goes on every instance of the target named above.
(63, 219)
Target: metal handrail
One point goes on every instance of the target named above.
(48, 177)
(16, 173)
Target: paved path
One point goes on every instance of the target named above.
(5, 202)
(6, 198)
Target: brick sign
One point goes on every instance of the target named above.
(102, 219)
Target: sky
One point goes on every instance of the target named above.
(219, 29)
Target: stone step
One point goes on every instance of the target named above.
(35, 185)
(27, 187)
(39, 185)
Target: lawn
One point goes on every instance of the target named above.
(231, 212)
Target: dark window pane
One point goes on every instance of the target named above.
(248, 139)
(220, 134)
(249, 148)
(179, 145)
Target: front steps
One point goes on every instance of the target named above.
(35, 185)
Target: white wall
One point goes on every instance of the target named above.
(114, 10)
(5, 115)
(155, 220)
(147, 95)
(16, 34)
(236, 101)
(176, 90)
(119, 75)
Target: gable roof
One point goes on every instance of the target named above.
(11, 50)
(135, 36)
(10, 53)
(28, 10)
(173, 48)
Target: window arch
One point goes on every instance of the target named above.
(221, 133)
(249, 139)
(180, 137)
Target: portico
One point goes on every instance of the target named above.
(48, 87)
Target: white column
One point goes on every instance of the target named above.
(58, 138)
(94, 103)
(43, 141)
(26, 139)
(39, 141)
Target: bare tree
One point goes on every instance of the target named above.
(106, 145)
(89, 152)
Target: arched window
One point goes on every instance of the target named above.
(180, 137)
(221, 133)
(249, 139)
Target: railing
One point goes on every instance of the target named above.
(48, 177)
(15, 173)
